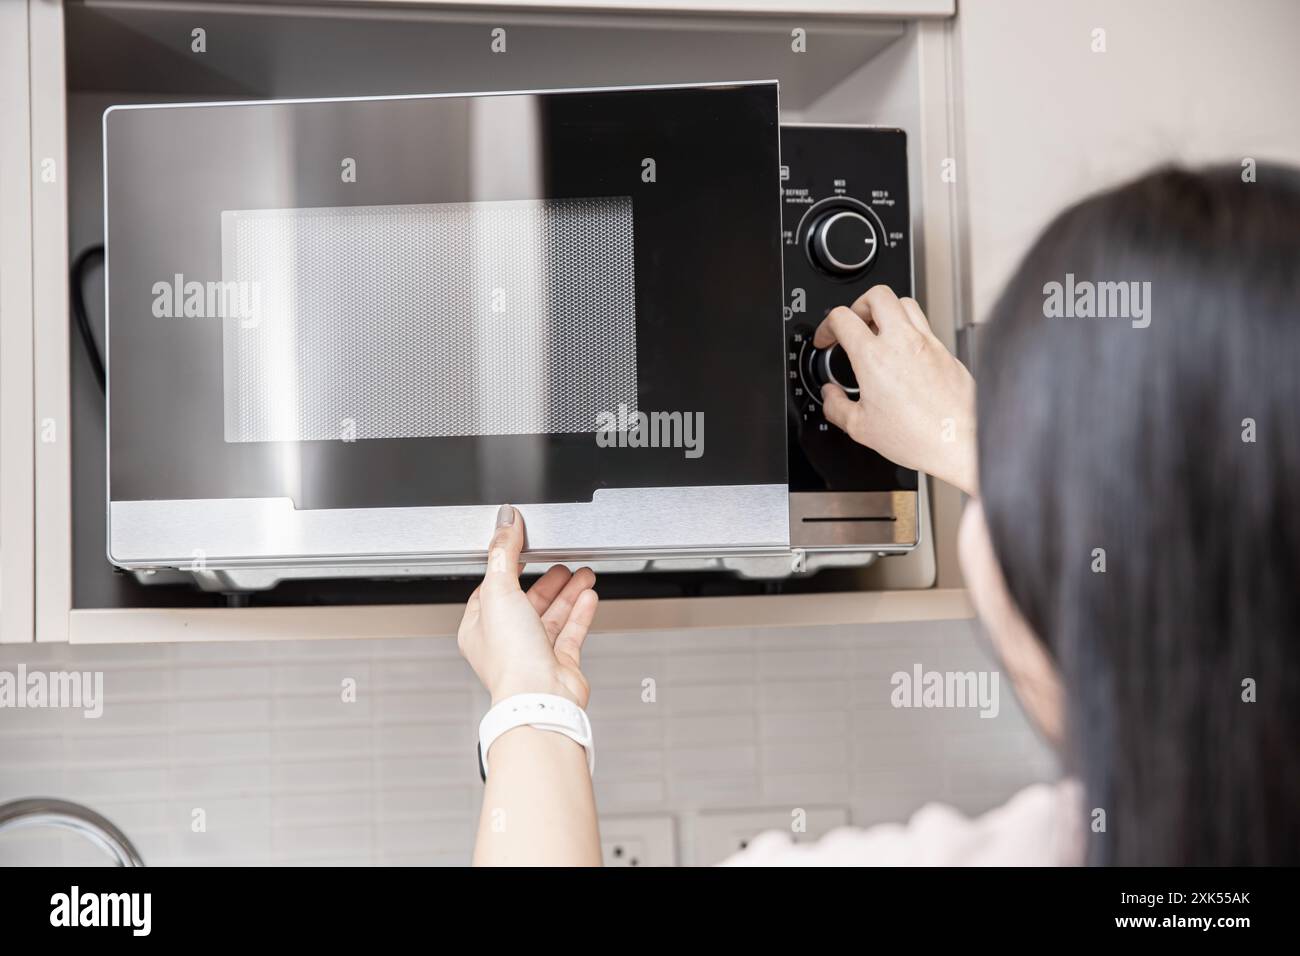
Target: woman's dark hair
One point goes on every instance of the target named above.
(1141, 484)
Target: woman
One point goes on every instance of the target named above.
(1131, 543)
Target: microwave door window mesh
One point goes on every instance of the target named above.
(428, 321)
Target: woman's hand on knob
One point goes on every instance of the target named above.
(916, 402)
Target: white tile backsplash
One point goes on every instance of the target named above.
(258, 736)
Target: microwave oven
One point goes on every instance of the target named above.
(341, 332)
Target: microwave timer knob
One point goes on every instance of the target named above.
(842, 242)
(831, 367)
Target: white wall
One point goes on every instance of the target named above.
(256, 735)
(1047, 121)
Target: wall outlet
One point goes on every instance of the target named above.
(638, 841)
(718, 835)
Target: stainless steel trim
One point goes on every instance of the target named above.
(443, 96)
(766, 567)
(625, 523)
(854, 521)
(762, 566)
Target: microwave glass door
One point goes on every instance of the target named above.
(342, 332)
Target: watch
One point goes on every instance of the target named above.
(543, 711)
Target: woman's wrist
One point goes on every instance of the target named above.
(534, 683)
(960, 465)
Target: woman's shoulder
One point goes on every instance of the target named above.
(1040, 826)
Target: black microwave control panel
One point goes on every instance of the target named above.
(846, 228)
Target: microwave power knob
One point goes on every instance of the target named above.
(843, 242)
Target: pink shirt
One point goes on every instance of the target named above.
(1041, 825)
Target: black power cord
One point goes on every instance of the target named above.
(80, 266)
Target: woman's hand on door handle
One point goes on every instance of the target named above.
(916, 401)
(527, 642)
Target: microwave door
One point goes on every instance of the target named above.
(343, 332)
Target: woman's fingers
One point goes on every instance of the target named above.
(838, 408)
(503, 552)
(555, 617)
(545, 588)
(876, 311)
(880, 305)
(568, 643)
(914, 314)
(844, 326)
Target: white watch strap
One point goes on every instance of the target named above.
(543, 711)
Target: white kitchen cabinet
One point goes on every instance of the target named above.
(16, 424)
(872, 61)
